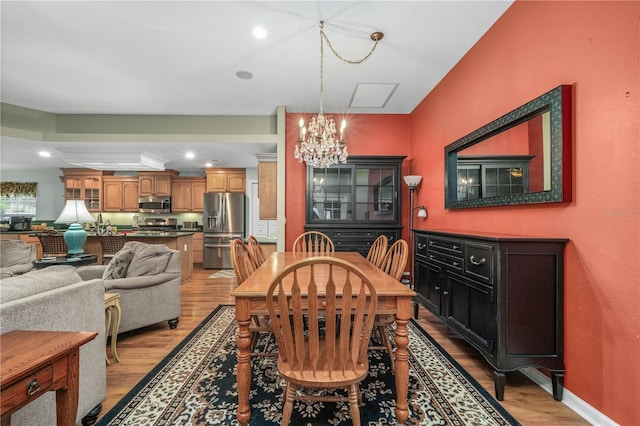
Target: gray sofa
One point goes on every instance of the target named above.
(56, 298)
(147, 277)
(16, 257)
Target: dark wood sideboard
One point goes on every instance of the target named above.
(503, 294)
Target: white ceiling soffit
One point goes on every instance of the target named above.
(115, 161)
(372, 95)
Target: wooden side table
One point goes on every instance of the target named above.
(112, 322)
(35, 362)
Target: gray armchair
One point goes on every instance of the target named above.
(147, 277)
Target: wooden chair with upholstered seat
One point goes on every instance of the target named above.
(313, 242)
(377, 250)
(243, 266)
(111, 244)
(393, 263)
(256, 250)
(313, 356)
(52, 244)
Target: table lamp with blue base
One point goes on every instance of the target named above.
(75, 212)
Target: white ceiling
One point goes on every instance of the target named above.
(181, 58)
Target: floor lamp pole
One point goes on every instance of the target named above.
(411, 256)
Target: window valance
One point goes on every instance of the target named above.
(18, 188)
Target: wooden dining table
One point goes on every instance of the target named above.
(393, 298)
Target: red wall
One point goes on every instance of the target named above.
(366, 134)
(534, 47)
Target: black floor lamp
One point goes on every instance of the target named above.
(412, 182)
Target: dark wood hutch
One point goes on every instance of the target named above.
(354, 203)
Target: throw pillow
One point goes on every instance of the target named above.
(149, 259)
(118, 266)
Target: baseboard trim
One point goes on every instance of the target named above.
(569, 399)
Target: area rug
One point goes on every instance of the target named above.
(196, 385)
(223, 273)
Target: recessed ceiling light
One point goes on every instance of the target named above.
(244, 75)
(190, 155)
(259, 32)
(44, 154)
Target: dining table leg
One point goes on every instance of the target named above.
(402, 359)
(243, 316)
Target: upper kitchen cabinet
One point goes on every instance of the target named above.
(226, 180)
(187, 194)
(267, 184)
(84, 184)
(120, 193)
(356, 202)
(156, 183)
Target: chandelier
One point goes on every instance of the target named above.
(318, 145)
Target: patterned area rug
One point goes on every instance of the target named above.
(223, 273)
(196, 385)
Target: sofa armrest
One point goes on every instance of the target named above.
(139, 282)
(92, 272)
(73, 307)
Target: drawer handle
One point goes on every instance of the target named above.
(445, 292)
(454, 247)
(477, 263)
(421, 246)
(436, 288)
(33, 387)
(455, 264)
(431, 256)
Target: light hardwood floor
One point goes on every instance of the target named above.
(140, 351)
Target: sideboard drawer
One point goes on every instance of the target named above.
(445, 245)
(445, 259)
(421, 246)
(479, 260)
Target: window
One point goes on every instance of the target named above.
(18, 199)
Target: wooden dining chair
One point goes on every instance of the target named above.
(256, 250)
(243, 266)
(52, 244)
(111, 244)
(377, 250)
(393, 263)
(313, 242)
(241, 260)
(331, 356)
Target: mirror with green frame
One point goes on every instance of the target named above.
(523, 157)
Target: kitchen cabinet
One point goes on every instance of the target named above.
(84, 184)
(226, 180)
(267, 196)
(120, 194)
(503, 294)
(187, 194)
(198, 247)
(156, 183)
(356, 202)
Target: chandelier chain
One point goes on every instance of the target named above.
(323, 35)
(318, 145)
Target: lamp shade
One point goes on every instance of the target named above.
(412, 181)
(75, 212)
(422, 212)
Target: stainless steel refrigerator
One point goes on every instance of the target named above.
(224, 217)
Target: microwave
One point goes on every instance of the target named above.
(154, 204)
